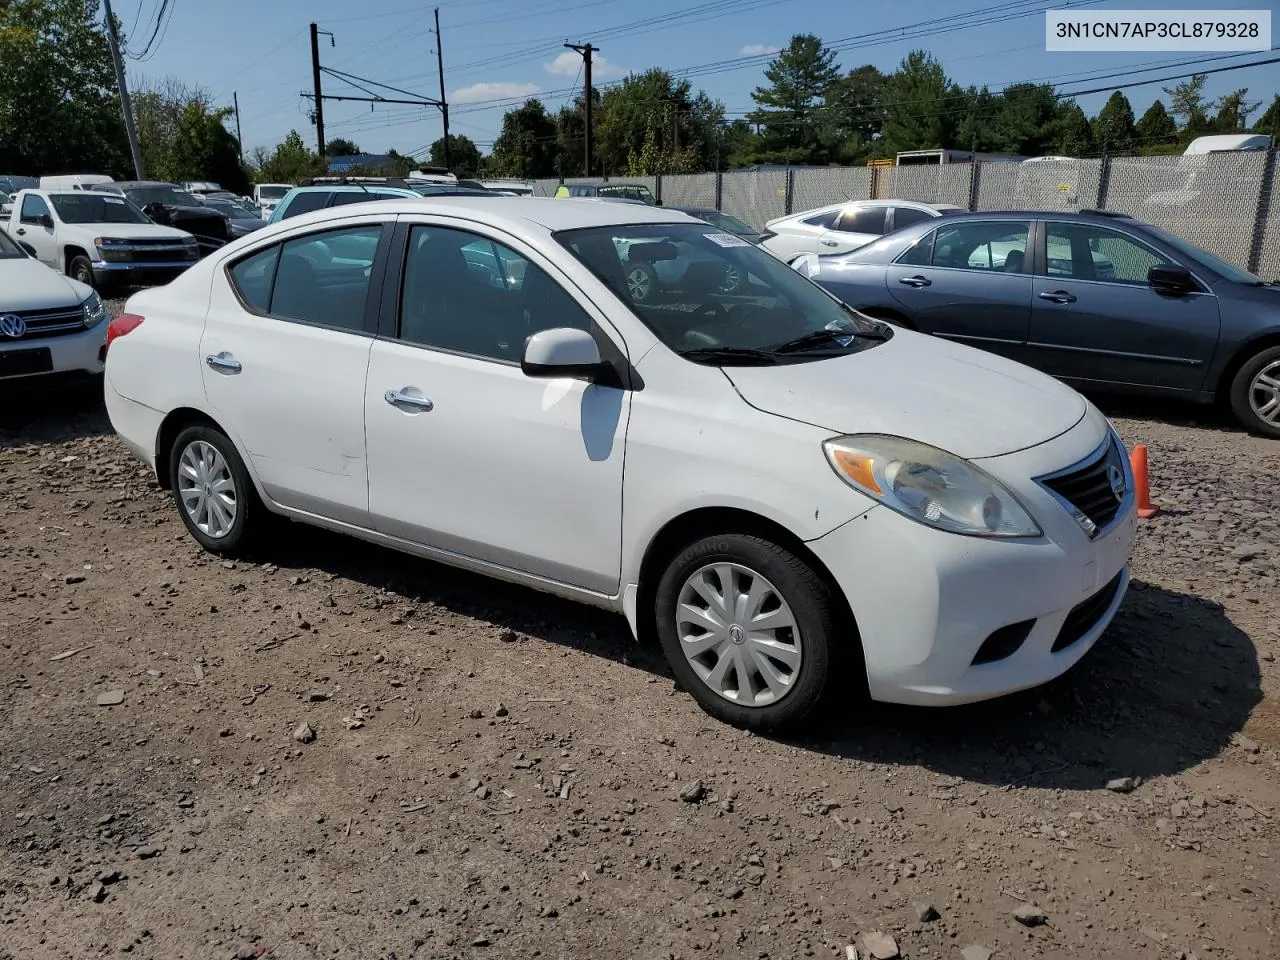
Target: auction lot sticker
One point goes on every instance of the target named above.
(1152, 30)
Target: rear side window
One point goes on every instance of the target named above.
(323, 278)
(305, 203)
(906, 216)
(252, 278)
(825, 220)
(866, 220)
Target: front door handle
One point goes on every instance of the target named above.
(1058, 296)
(399, 398)
(830, 243)
(223, 364)
(22, 231)
(915, 281)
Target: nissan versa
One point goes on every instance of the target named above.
(796, 500)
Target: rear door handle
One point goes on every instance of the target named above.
(222, 363)
(1058, 296)
(915, 281)
(829, 243)
(399, 398)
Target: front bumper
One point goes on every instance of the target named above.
(67, 354)
(926, 601)
(136, 274)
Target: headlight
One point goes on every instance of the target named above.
(111, 250)
(95, 311)
(192, 246)
(929, 486)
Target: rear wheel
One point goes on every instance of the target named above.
(1255, 393)
(747, 627)
(215, 496)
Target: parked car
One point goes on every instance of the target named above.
(242, 218)
(305, 199)
(201, 186)
(268, 195)
(98, 238)
(842, 227)
(1099, 300)
(628, 191)
(725, 222)
(815, 502)
(74, 181)
(6, 204)
(49, 324)
(12, 183)
(522, 188)
(167, 205)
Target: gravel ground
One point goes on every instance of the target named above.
(340, 751)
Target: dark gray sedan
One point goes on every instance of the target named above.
(1099, 300)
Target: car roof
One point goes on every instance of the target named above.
(353, 188)
(145, 183)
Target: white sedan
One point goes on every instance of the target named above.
(798, 501)
(49, 324)
(843, 227)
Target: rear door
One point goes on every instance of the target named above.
(970, 281)
(854, 228)
(1096, 320)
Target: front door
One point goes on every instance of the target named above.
(970, 282)
(467, 454)
(1096, 321)
(284, 355)
(34, 234)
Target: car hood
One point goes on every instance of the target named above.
(27, 284)
(132, 231)
(962, 400)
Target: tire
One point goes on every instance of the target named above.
(789, 588)
(642, 282)
(237, 515)
(79, 269)
(1255, 393)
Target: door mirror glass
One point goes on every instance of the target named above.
(562, 352)
(1170, 278)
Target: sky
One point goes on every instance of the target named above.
(498, 52)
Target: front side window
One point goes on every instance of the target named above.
(999, 246)
(91, 207)
(473, 295)
(9, 250)
(1084, 252)
(920, 253)
(863, 220)
(33, 208)
(323, 278)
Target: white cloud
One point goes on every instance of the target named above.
(757, 49)
(569, 63)
(478, 92)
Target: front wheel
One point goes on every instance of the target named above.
(1255, 393)
(215, 496)
(80, 269)
(748, 629)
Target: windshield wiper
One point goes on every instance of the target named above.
(823, 337)
(738, 355)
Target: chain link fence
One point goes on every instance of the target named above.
(1228, 203)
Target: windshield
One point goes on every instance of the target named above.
(1207, 259)
(706, 293)
(272, 193)
(170, 195)
(9, 250)
(88, 207)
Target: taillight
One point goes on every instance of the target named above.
(119, 326)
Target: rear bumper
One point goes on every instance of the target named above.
(135, 423)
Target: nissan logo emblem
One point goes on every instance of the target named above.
(1116, 478)
(12, 326)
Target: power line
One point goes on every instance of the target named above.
(153, 42)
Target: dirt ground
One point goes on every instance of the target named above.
(498, 774)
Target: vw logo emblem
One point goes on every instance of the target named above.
(12, 325)
(1115, 476)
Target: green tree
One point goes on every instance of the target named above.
(975, 130)
(571, 128)
(1269, 122)
(653, 124)
(341, 147)
(1156, 130)
(791, 107)
(1113, 127)
(1188, 105)
(464, 155)
(921, 105)
(1025, 119)
(851, 114)
(1072, 136)
(526, 147)
(1233, 112)
(291, 161)
(184, 136)
(59, 110)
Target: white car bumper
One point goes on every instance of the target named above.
(70, 353)
(135, 423)
(929, 604)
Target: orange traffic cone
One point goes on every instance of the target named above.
(1138, 461)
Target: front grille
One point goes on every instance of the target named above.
(1084, 616)
(1089, 489)
(49, 323)
(160, 254)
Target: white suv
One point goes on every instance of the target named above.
(813, 503)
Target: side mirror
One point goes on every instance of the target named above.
(1170, 279)
(563, 352)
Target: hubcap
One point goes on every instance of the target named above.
(638, 284)
(738, 634)
(207, 489)
(1264, 393)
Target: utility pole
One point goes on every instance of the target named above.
(444, 106)
(235, 99)
(586, 50)
(315, 78)
(130, 128)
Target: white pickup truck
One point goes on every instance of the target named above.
(100, 239)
